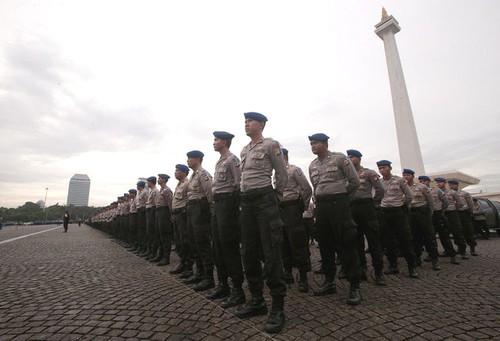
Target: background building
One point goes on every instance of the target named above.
(79, 190)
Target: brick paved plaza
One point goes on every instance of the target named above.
(82, 285)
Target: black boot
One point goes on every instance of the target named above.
(255, 307)
(206, 283)
(303, 283)
(178, 270)
(156, 259)
(392, 270)
(455, 260)
(412, 272)
(328, 288)
(221, 291)
(435, 265)
(164, 261)
(187, 273)
(237, 297)
(276, 319)
(288, 278)
(196, 278)
(354, 297)
(473, 251)
(380, 279)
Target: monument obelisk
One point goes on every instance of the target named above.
(409, 148)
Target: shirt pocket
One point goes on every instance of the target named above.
(258, 158)
(222, 175)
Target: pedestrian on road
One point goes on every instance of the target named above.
(66, 221)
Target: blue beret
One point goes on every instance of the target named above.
(408, 171)
(453, 181)
(152, 179)
(164, 176)
(114, 203)
(132, 191)
(382, 163)
(424, 177)
(196, 154)
(119, 198)
(354, 152)
(183, 168)
(285, 151)
(141, 184)
(318, 137)
(255, 116)
(125, 194)
(223, 135)
(440, 179)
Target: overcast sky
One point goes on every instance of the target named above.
(123, 89)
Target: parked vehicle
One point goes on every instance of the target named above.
(491, 210)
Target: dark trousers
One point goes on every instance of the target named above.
(65, 225)
(295, 244)
(133, 225)
(261, 234)
(337, 232)
(226, 237)
(141, 228)
(481, 228)
(166, 230)
(150, 229)
(365, 216)
(198, 222)
(181, 237)
(442, 227)
(396, 230)
(456, 230)
(423, 232)
(467, 227)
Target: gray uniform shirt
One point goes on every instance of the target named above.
(454, 202)
(466, 200)
(421, 196)
(369, 183)
(257, 164)
(440, 199)
(297, 186)
(200, 186)
(133, 205)
(180, 196)
(396, 192)
(151, 202)
(334, 175)
(227, 175)
(142, 198)
(164, 199)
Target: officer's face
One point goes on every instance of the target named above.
(253, 127)
(453, 186)
(218, 144)
(318, 147)
(425, 182)
(161, 181)
(408, 177)
(440, 184)
(355, 160)
(192, 162)
(179, 175)
(384, 170)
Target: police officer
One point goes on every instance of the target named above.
(164, 219)
(142, 197)
(226, 229)
(125, 229)
(439, 221)
(480, 225)
(182, 242)
(465, 215)
(367, 197)
(151, 232)
(451, 214)
(395, 227)
(295, 247)
(421, 210)
(261, 225)
(133, 220)
(199, 206)
(335, 181)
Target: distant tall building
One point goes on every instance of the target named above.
(79, 190)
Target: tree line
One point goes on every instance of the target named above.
(33, 212)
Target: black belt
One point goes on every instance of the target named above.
(289, 203)
(331, 197)
(220, 196)
(362, 201)
(159, 208)
(255, 193)
(178, 211)
(419, 208)
(150, 208)
(141, 209)
(391, 209)
(197, 201)
(133, 213)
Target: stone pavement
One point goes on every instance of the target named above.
(82, 285)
